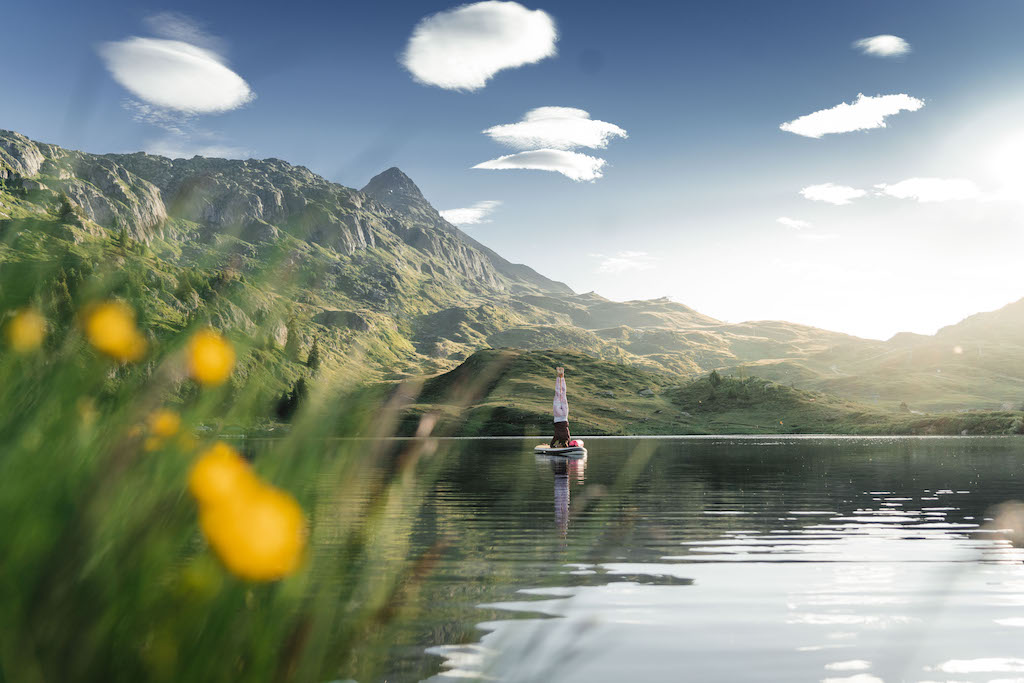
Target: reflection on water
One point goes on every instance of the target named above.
(852, 560)
(564, 469)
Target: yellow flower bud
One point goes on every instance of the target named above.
(164, 423)
(259, 536)
(220, 474)
(210, 357)
(110, 327)
(26, 330)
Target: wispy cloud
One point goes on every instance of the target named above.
(864, 113)
(832, 193)
(182, 148)
(884, 45)
(570, 164)
(172, 74)
(471, 215)
(932, 189)
(625, 260)
(462, 48)
(174, 122)
(556, 128)
(177, 26)
(794, 223)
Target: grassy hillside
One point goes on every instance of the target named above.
(509, 392)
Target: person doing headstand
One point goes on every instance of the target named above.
(561, 412)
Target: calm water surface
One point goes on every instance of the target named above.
(725, 559)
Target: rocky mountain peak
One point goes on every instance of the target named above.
(395, 189)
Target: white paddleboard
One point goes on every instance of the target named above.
(571, 452)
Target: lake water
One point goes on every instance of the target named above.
(719, 559)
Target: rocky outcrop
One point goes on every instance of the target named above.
(343, 319)
(18, 155)
(107, 192)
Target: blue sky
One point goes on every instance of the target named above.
(688, 204)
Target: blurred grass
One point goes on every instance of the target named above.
(105, 573)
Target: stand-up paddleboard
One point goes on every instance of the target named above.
(576, 450)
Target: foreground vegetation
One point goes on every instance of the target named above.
(139, 542)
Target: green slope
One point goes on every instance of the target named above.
(509, 392)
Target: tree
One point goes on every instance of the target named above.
(63, 305)
(291, 344)
(68, 211)
(289, 402)
(313, 359)
(715, 378)
(121, 240)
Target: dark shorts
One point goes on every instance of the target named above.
(561, 437)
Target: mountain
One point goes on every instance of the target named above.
(390, 289)
(977, 363)
(397, 191)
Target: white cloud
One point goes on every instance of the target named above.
(832, 193)
(175, 75)
(818, 236)
(570, 164)
(471, 215)
(462, 48)
(884, 45)
(625, 260)
(794, 223)
(932, 189)
(865, 112)
(556, 128)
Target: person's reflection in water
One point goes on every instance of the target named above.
(563, 469)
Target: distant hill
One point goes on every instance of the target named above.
(975, 364)
(505, 392)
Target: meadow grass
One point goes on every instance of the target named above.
(112, 571)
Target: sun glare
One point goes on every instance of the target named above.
(1006, 164)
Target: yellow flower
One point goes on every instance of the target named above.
(110, 327)
(220, 474)
(164, 423)
(257, 531)
(152, 443)
(26, 330)
(210, 357)
(259, 536)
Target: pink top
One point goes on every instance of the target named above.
(561, 406)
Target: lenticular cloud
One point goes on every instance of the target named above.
(832, 193)
(471, 215)
(175, 75)
(462, 48)
(932, 189)
(865, 112)
(572, 165)
(556, 128)
(884, 45)
(794, 223)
